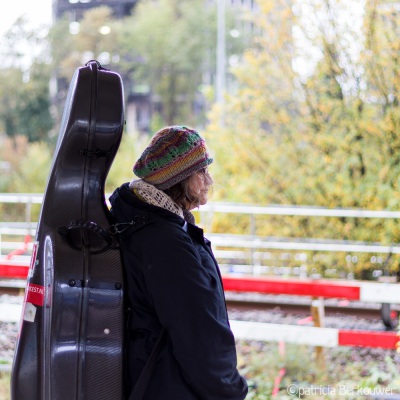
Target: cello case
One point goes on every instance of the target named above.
(70, 344)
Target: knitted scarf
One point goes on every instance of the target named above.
(151, 195)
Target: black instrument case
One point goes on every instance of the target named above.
(71, 339)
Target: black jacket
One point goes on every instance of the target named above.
(174, 282)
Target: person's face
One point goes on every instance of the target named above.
(199, 186)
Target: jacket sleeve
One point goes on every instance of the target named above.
(190, 304)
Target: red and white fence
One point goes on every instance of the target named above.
(308, 335)
(375, 292)
(317, 336)
(313, 336)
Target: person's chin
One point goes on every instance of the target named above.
(203, 200)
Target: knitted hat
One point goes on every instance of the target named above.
(174, 153)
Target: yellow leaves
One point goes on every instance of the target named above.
(129, 151)
(384, 172)
(370, 127)
(283, 117)
(266, 6)
(13, 150)
(96, 17)
(320, 143)
(392, 120)
(33, 168)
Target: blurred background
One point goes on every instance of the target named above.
(298, 100)
(299, 103)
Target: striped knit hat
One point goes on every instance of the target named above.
(174, 153)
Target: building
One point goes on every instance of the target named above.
(75, 8)
(141, 103)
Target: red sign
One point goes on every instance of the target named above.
(35, 294)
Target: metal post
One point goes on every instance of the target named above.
(318, 315)
(28, 213)
(221, 56)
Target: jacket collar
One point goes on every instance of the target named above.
(132, 206)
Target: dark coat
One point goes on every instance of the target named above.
(174, 282)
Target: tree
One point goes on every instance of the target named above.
(170, 45)
(94, 38)
(24, 84)
(325, 136)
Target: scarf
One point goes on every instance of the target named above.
(151, 195)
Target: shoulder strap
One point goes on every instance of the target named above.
(127, 228)
(143, 381)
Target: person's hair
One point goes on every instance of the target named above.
(180, 193)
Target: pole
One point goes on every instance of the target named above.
(221, 56)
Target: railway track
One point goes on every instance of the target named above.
(12, 287)
(266, 311)
(299, 303)
(300, 309)
(297, 311)
(266, 307)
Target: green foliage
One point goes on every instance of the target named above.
(170, 47)
(33, 169)
(5, 386)
(25, 105)
(10, 79)
(129, 151)
(12, 151)
(24, 86)
(28, 165)
(346, 369)
(343, 373)
(165, 49)
(84, 45)
(26, 169)
(327, 137)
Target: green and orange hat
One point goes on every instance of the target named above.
(174, 153)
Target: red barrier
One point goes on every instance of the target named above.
(364, 291)
(320, 288)
(297, 287)
(20, 251)
(386, 340)
(313, 336)
(13, 270)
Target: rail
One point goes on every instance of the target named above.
(318, 335)
(236, 208)
(245, 242)
(295, 211)
(249, 249)
(237, 247)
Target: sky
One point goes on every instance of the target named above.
(38, 12)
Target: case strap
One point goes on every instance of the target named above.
(99, 240)
(126, 228)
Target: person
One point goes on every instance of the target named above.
(173, 279)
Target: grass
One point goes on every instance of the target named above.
(344, 373)
(5, 386)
